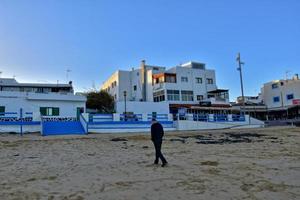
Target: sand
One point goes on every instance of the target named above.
(202, 165)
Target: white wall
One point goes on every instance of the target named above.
(32, 102)
(139, 107)
(192, 85)
(16, 128)
(196, 125)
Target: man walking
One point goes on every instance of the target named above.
(157, 133)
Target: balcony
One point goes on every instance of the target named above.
(158, 86)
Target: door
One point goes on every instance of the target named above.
(79, 110)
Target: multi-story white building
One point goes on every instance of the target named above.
(40, 99)
(187, 85)
(281, 93)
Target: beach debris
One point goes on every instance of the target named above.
(177, 140)
(210, 163)
(224, 138)
(118, 139)
(16, 154)
(32, 157)
(145, 147)
(241, 135)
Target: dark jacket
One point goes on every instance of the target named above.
(157, 132)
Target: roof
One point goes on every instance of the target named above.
(13, 83)
(162, 74)
(218, 91)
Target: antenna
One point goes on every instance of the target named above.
(287, 74)
(1, 74)
(67, 74)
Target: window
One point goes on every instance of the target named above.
(290, 96)
(173, 95)
(40, 90)
(2, 110)
(170, 79)
(274, 85)
(134, 87)
(198, 80)
(159, 96)
(276, 99)
(184, 79)
(199, 97)
(209, 81)
(49, 111)
(187, 95)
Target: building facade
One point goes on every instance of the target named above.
(186, 85)
(281, 93)
(57, 100)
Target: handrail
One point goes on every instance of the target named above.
(85, 122)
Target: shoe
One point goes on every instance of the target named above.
(164, 164)
(155, 162)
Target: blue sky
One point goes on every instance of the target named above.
(39, 40)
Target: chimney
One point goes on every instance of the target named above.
(143, 78)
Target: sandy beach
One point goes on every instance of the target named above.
(223, 164)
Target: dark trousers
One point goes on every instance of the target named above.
(158, 154)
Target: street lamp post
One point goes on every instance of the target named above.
(240, 63)
(125, 94)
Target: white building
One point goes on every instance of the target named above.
(188, 85)
(281, 93)
(249, 100)
(40, 99)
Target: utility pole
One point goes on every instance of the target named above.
(125, 113)
(240, 63)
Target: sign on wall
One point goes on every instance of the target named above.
(296, 102)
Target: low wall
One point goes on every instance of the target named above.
(17, 128)
(199, 125)
(142, 107)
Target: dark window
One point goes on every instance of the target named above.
(173, 95)
(2, 110)
(159, 96)
(198, 80)
(276, 99)
(49, 111)
(210, 81)
(290, 96)
(187, 95)
(134, 87)
(274, 85)
(184, 79)
(40, 90)
(199, 97)
(170, 79)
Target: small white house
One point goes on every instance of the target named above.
(57, 100)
